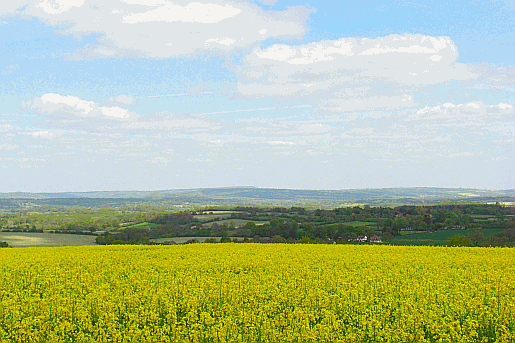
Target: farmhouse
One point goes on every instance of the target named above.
(360, 239)
(375, 239)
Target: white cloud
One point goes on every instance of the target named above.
(45, 134)
(120, 101)
(58, 6)
(73, 113)
(462, 154)
(362, 131)
(163, 29)
(194, 12)
(8, 147)
(6, 128)
(351, 74)
(461, 128)
(504, 129)
(8, 7)
(465, 113)
(222, 41)
(70, 112)
(70, 107)
(170, 123)
(281, 143)
(115, 112)
(495, 76)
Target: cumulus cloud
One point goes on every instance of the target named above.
(351, 74)
(170, 123)
(69, 107)
(466, 113)
(9, 7)
(120, 101)
(462, 128)
(165, 28)
(284, 129)
(71, 112)
(45, 134)
(495, 76)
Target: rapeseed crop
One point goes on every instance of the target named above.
(257, 293)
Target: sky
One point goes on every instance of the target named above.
(172, 94)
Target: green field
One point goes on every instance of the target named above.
(181, 240)
(144, 225)
(437, 237)
(28, 239)
(359, 223)
(209, 217)
(234, 222)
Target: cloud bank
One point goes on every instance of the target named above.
(351, 74)
(163, 28)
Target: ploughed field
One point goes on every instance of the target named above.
(32, 239)
(257, 293)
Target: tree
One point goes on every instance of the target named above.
(225, 239)
(305, 240)
(459, 241)
(387, 236)
(422, 226)
(278, 239)
(477, 238)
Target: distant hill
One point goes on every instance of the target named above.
(355, 194)
(231, 196)
(277, 193)
(21, 195)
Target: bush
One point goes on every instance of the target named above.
(278, 239)
(459, 241)
(4, 245)
(191, 241)
(305, 240)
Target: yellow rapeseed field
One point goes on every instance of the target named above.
(257, 293)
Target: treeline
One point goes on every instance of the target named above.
(505, 238)
(347, 224)
(168, 225)
(76, 219)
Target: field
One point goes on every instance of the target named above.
(234, 222)
(257, 293)
(30, 239)
(359, 223)
(181, 240)
(144, 225)
(214, 215)
(438, 237)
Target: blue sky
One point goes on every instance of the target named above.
(163, 94)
